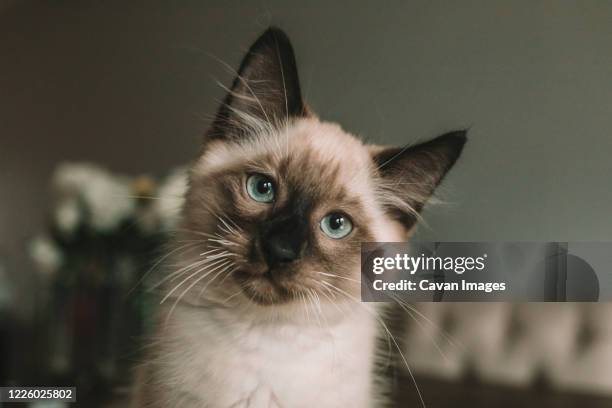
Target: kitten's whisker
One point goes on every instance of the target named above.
(316, 306)
(207, 263)
(343, 313)
(176, 274)
(236, 226)
(339, 277)
(224, 227)
(231, 230)
(308, 297)
(303, 297)
(431, 337)
(178, 299)
(447, 336)
(382, 323)
(321, 286)
(224, 230)
(227, 270)
(331, 293)
(198, 241)
(215, 250)
(208, 272)
(226, 254)
(229, 226)
(232, 296)
(229, 274)
(180, 271)
(157, 263)
(204, 234)
(223, 242)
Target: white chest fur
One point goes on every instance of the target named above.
(213, 359)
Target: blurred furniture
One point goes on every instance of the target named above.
(470, 394)
(567, 346)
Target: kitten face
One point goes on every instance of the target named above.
(279, 201)
(310, 228)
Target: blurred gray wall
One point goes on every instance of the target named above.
(130, 84)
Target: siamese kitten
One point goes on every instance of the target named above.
(261, 307)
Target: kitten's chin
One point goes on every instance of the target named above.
(262, 289)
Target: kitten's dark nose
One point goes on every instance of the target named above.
(280, 249)
(282, 242)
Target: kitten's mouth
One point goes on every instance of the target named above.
(264, 288)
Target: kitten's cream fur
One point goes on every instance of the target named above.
(305, 340)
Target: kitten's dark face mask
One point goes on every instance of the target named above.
(288, 225)
(279, 202)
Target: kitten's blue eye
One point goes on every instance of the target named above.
(336, 225)
(260, 188)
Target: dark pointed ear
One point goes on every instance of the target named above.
(410, 175)
(265, 92)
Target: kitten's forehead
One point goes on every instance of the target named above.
(308, 153)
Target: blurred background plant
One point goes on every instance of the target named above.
(90, 310)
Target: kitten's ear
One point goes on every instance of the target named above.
(265, 92)
(410, 175)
